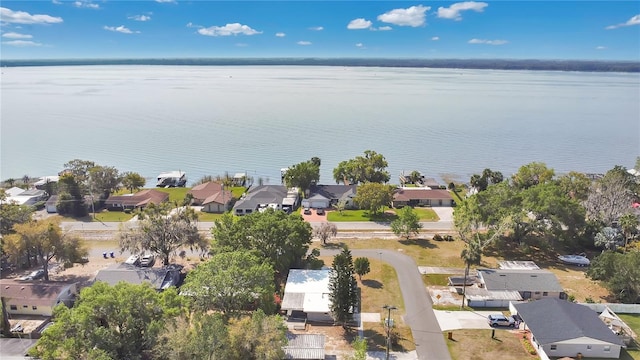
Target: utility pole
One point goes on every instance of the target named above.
(388, 324)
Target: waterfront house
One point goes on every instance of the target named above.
(421, 197)
(18, 196)
(261, 197)
(211, 196)
(307, 292)
(138, 200)
(326, 196)
(36, 298)
(561, 328)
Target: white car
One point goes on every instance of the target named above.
(34, 275)
(501, 320)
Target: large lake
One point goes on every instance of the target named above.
(217, 119)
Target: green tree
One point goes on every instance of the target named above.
(316, 161)
(133, 181)
(103, 180)
(532, 174)
(359, 349)
(374, 196)
(620, 273)
(608, 238)
(343, 287)
(471, 255)
(576, 185)
(115, 322)
(415, 177)
(325, 231)
(629, 224)
(361, 267)
(302, 176)
(259, 337)
(341, 205)
(162, 233)
(407, 223)
(488, 177)
(231, 282)
(70, 196)
(26, 179)
(10, 182)
(80, 169)
(368, 168)
(200, 336)
(282, 239)
(45, 240)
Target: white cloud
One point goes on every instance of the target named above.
(316, 28)
(121, 29)
(360, 46)
(601, 47)
(304, 43)
(86, 4)
(453, 11)
(242, 44)
(56, 2)
(414, 16)
(435, 38)
(13, 35)
(281, 34)
(166, 1)
(192, 25)
(21, 43)
(359, 24)
(140, 17)
(229, 29)
(488, 42)
(21, 17)
(635, 20)
(385, 28)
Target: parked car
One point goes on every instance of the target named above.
(320, 211)
(147, 260)
(34, 275)
(133, 260)
(501, 320)
(307, 211)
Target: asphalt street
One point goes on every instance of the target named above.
(427, 335)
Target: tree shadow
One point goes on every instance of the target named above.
(423, 243)
(374, 284)
(334, 245)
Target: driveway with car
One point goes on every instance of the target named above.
(455, 320)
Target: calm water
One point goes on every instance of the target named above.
(211, 120)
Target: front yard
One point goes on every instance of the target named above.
(478, 345)
(424, 214)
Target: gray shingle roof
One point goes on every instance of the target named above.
(553, 320)
(261, 194)
(520, 280)
(333, 192)
(134, 275)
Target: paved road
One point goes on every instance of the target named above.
(426, 331)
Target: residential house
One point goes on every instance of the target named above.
(18, 196)
(326, 196)
(307, 291)
(52, 204)
(159, 278)
(43, 181)
(260, 197)
(304, 347)
(211, 196)
(36, 298)
(138, 200)
(497, 287)
(421, 197)
(560, 328)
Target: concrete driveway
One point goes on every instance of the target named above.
(445, 213)
(455, 320)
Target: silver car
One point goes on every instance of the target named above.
(501, 320)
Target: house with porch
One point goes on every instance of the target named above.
(261, 197)
(422, 197)
(138, 200)
(211, 196)
(307, 293)
(561, 328)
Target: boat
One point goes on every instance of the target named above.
(575, 260)
(172, 179)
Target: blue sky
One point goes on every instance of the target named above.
(607, 30)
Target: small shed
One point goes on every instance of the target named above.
(50, 205)
(304, 347)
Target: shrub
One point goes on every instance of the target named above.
(572, 298)
(589, 300)
(438, 237)
(527, 345)
(448, 238)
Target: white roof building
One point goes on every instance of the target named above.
(308, 291)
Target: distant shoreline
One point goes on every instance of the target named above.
(476, 64)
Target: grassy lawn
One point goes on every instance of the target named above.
(237, 191)
(424, 214)
(436, 279)
(113, 216)
(478, 345)
(176, 194)
(208, 217)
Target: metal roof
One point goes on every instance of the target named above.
(520, 280)
(305, 346)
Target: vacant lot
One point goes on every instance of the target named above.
(478, 345)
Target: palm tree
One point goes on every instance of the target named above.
(628, 222)
(415, 177)
(10, 182)
(471, 255)
(26, 179)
